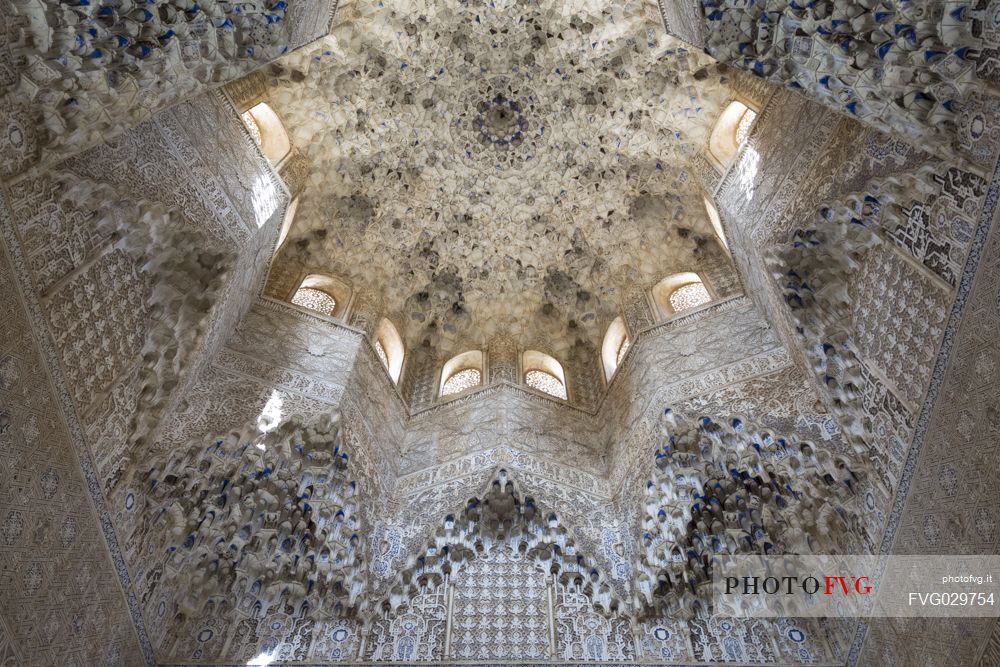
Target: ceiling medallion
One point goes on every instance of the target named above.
(500, 122)
(507, 132)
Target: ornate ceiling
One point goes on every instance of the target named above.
(499, 166)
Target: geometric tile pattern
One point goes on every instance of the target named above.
(61, 603)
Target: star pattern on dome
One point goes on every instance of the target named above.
(499, 165)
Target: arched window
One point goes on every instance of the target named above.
(616, 344)
(731, 130)
(462, 372)
(286, 224)
(323, 294)
(389, 348)
(679, 292)
(544, 373)
(713, 216)
(268, 131)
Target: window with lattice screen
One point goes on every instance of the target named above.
(315, 299)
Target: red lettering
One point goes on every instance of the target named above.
(831, 585)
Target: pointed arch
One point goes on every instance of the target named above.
(268, 131)
(730, 132)
(462, 372)
(544, 373)
(616, 344)
(501, 516)
(680, 292)
(389, 348)
(286, 223)
(324, 294)
(716, 220)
